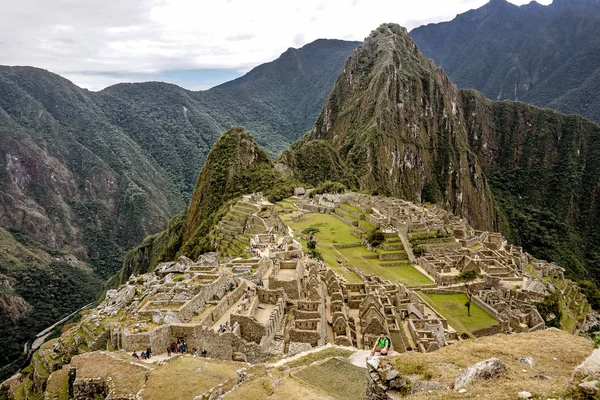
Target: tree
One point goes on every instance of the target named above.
(310, 232)
(467, 277)
(376, 237)
(311, 244)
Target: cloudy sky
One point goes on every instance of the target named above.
(194, 43)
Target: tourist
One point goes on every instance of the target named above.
(135, 355)
(381, 345)
(143, 355)
(203, 352)
(148, 353)
(169, 351)
(195, 351)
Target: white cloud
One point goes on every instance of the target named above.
(88, 40)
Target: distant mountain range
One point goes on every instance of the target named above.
(85, 176)
(548, 56)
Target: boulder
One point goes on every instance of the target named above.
(536, 286)
(483, 370)
(589, 367)
(115, 300)
(586, 377)
(524, 395)
(161, 267)
(157, 317)
(526, 361)
(176, 268)
(183, 260)
(171, 318)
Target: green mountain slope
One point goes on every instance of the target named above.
(87, 176)
(235, 166)
(544, 169)
(544, 55)
(277, 101)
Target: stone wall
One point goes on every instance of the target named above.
(292, 288)
(492, 330)
(158, 338)
(223, 305)
(347, 246)
(218, 288)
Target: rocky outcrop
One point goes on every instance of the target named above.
(115, 300)
(484, 370)
(384, 382)
(12, 308)
(586, 377)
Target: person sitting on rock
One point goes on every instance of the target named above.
(143, 355)
(135, 355)
(203, 353)
(381, 345)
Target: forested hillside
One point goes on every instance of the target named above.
(548, 56)
(86, 176)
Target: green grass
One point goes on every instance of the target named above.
(452, 307)
(356, 210)
(334, 231)
(336, 377)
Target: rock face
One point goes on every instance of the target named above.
(118, 299)
(396, 122)
(586, 377)
(484, 370)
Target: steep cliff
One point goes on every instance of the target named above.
(397, 124)
(544, 170)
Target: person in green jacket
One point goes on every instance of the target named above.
(382, 345)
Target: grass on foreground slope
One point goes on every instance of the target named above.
(188, 377)
(335, 231)
(127, 378)
(555, 354)
(335, 377)
(452, 307)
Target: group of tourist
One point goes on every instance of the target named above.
(227, 328)
(178, 347)
(144, 356)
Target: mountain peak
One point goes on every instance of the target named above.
(386, 110)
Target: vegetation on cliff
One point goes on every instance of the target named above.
(234, 166)
(393, 121)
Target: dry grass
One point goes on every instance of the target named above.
(128, 378)
(188, 377)
(544, 346)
